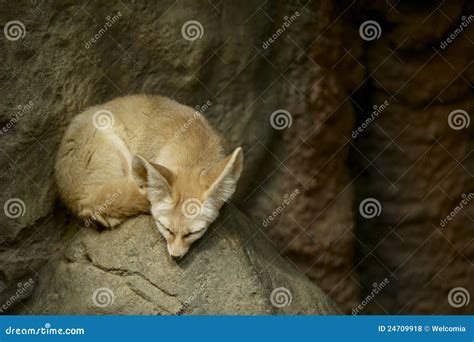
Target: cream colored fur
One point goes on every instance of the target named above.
(158, 157)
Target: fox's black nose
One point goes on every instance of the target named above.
(176, 257)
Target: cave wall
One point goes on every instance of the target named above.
(409, 158)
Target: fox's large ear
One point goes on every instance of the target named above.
(152, 179)
(221, 179)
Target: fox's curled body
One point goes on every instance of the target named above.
(140, 154)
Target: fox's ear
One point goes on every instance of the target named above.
(221, 179)
(152, 179)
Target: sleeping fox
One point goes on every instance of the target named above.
(147, 154)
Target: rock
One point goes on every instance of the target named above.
(233, 270)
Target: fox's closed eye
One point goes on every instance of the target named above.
(164, 227)
(192, 233)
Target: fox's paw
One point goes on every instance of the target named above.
(92, 219)
(111, 222)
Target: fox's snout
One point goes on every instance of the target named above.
(178, 248)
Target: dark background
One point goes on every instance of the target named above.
(324, 74)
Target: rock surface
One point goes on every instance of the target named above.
(128, 271)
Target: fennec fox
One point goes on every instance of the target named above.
(147, 154)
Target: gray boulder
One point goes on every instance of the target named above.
(233, 270)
